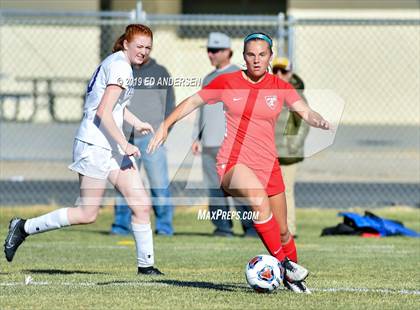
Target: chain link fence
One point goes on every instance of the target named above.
(373, 66)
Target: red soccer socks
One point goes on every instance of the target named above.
(269, 232)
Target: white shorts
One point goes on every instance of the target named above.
(97, 162)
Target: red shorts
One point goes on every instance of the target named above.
(273, 183)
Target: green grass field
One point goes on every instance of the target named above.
(85, 268)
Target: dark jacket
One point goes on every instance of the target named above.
(152, 101)
(291, 130)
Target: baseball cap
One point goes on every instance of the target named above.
(282, 63)
(218, 40)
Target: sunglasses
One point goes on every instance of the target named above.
(214, 50)
(277, 69)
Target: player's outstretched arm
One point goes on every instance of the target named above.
(104, 113)
(143, 127)
(313, 118)
(183, 109)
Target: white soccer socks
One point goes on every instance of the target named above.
(50, 221)
(143, 237)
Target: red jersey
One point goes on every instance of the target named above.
(251, 112)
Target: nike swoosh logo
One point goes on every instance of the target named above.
(236, 99)
(9, 244)
(275, 252)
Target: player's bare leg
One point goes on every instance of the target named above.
(278, 206)
(89, 202)
(91, 193)
(128, 182)
(240, 181)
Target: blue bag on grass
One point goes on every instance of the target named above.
(373, 223)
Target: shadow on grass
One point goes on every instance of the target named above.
(61, 272)
(204, 285)
(177, 234)
(201, 234)
(114, 282)
(90, 231)
(188, 234)
(194, 234)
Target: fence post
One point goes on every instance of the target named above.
(281, 34)
(291, 40)
(140, 14)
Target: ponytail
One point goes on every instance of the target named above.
(119, 44)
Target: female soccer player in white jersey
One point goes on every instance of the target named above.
(101, 152)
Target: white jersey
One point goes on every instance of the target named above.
(115, 69)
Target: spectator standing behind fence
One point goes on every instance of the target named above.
(291, 133)
(154, 102)
(209, 127)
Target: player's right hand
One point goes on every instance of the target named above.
(158, 139)
(317, 121)
(132, 150)
(196, 148)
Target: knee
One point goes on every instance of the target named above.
(141, 210)
(257, 198)
(141, 207)
(143, 203)
(88, 217)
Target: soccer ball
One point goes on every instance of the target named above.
(264, 273)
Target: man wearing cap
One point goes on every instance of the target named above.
(209, 130)
(290, 138)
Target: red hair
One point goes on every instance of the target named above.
(131, 31)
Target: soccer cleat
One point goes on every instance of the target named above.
(14, 238)
(150, 271)
(297, 287)
(293, 272)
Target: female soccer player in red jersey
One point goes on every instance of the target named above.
(247, 160)
(101, 152)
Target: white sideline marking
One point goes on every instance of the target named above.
(366, 290)
(134, 283)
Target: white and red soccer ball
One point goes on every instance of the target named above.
(264, 273)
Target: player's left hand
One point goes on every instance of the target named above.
(144, 128)
(158, 139)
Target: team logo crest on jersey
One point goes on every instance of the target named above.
(271, 101)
